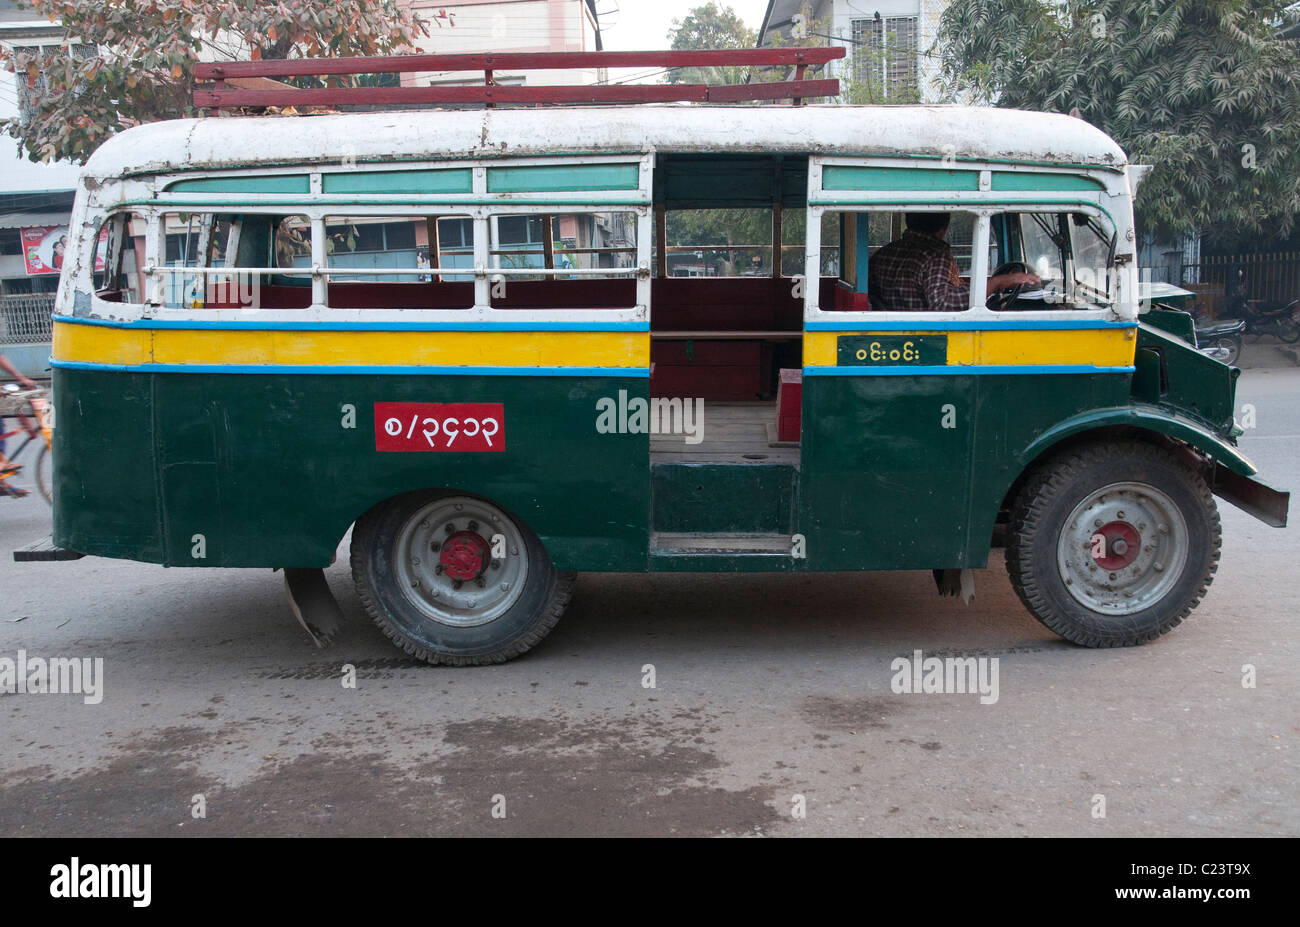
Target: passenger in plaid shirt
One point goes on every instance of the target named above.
(918, 272)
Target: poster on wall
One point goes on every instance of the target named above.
(44, 247)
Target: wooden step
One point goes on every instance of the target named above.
(44, 550)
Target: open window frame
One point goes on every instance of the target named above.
(941, 184)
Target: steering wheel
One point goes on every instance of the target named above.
(1003, 299)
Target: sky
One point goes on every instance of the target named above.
(643, 24)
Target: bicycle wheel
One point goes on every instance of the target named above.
(43, 478)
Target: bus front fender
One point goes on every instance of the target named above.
(1147, 419)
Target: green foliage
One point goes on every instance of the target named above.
(148, 49)
(709, 27)
(1203, 90)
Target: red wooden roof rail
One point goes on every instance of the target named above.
(220, 96)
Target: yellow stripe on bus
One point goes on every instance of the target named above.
(1106, 347)
(217, 347)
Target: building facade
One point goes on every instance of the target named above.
(889, 43)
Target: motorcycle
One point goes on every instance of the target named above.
(1265, 318)
(1220, 338)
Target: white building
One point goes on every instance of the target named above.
(889, 41)
(508, 26)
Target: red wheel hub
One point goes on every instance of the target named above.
(464, 555)
(1123, 544)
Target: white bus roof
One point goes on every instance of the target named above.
(975, 133)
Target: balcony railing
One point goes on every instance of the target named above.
(26, 318)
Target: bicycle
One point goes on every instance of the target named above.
(31, 409)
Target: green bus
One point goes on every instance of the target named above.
(504, 347)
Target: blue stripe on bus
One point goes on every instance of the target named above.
(359, 369)
(959, 370)
(235, 325)
(921, 325)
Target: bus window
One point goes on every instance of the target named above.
(1059, 247)
(719, 242)
(115, 270)
(900, 260)
(392, 262)
(197, 246)
(1043, 248)
(794, 223)
(1092, 252)
(181, 245)
(576, 260)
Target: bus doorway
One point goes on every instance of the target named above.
(726, 356)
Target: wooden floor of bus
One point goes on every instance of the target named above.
(733, 432)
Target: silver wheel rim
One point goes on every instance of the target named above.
(433, 564)
(1220, 350)
(1123, 581)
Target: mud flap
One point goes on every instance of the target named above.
(313, 604)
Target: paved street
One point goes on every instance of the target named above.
(767, 688)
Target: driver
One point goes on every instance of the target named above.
(918, 272)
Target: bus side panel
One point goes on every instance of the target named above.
(1013, 412)
(885, 471)
(909, 472)
(104, 497)
(271, 469)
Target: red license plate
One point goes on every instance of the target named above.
(440, 426)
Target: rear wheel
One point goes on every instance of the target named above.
(456, 579)
(1288, 330)
(1113, 544)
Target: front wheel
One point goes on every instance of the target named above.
(1113, 544)
(43, 482)
(456, 579)
(1226, 349)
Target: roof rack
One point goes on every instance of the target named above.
(220, 96)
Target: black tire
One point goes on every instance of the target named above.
(1041, 539)
(1287, 330)
(43, 475)
(390, 531)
